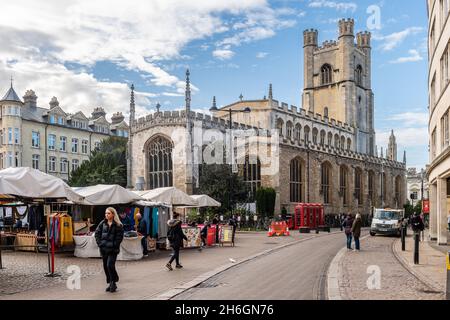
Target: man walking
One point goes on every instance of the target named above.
(356, 230)
(233, 223)
(175, 235)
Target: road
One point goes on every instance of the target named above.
(297, 272)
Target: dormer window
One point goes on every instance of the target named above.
(61, 121)
(52, 119)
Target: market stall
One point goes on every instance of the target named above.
(96, 199)
(41, 198)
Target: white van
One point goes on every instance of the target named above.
(387, 222)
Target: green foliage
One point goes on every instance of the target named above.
(265, 202)
(215, 182)
(106, 165)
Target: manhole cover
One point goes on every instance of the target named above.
(211, 285)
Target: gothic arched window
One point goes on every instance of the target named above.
(343, 143)
(252, 176)
(398, 190)
(322, 137)
(359, 76)
(296, 180)
(330, 139)
(315, 133)
(326, 72)
(358, 186)
(371, 186)
(160, 167)
(325, 176)
(343, 183)
(289, 128)
(325, 112)
(298, 132)
(349, 144)
(280, 124)
(307, 130)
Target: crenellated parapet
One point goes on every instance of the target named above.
(178, 119)
(301, 113)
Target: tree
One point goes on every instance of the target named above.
(214, 181)
(265, 202)
(106, 165)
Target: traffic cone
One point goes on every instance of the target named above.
(287, 231)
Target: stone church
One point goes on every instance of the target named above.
(323, 152)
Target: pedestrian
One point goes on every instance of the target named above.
(233, 223)
(126, 221)
(448, 221)
(109, 236)
(204, 235)
(175, 235)
(142, 231)
(356, 231)
(347, 225)
(215, 222)
(341, 222)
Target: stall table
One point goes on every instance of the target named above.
(86, 247)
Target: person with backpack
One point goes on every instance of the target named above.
(109, 236)
(175, 235)
(347, 225)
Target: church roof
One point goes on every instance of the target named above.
(11, 95)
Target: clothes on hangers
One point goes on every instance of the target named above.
(155, 223)
(147, 219)
(66, 230)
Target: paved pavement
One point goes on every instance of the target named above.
(431, 269)
(144, 279)
(297, 272)
(357, 274)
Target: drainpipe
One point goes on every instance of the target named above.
(45, 144)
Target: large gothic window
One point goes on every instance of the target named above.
(326, 182)
(343, 181)
(296, 181)
(398, 190)
(326, 73)
(252, 176)
(383, 187)
(371, 186)
(358, 186)
(160, 168)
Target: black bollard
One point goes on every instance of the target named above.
(416, 247)
(403, 239)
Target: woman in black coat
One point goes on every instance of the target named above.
(109, 236)
(175, 235)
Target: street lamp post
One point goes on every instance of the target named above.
(230, 112)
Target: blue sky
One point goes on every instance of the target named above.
(88, 53)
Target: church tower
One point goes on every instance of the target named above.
(392, 148)
(337, 81)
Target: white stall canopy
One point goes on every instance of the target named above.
(169, 195)
(32, 183)
(106, 195)
(204, 200)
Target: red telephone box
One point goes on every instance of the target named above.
(309, 215)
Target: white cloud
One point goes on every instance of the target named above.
(405, 137)
(134, 35)
(414, 56)
(340, 6)
(223, 54)
(261, 55)
(411, 118)
(393, 40)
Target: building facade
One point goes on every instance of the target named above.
(439, 103)
(417, 181)
(49, 139)
(323, 152)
